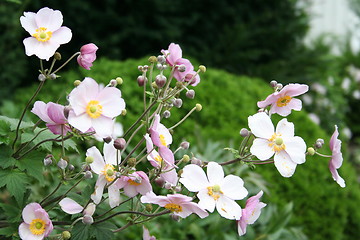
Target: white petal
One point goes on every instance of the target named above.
(111, 101)
(285, 128)
(46, 49)
(81, 122)
(99, 189)
(31, 45)
(284, 165)
(296, 148)
(114, 195)
(206, 202)
(110, 154)
(194, 178)
(103, 126)
(70, 206)
(215, 173)
(48, 18)
(233, 187)
(228, 208)
(28, 22)
(98, 164)
(261, 149)
(62, 35)
(25, 233)
(261, 125)
(295, 104)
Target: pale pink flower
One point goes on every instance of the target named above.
(336, 158)
(282, 102)
(53, 115)
(289, 150)
(46, 32)
(95, 107)
(215, 190)
(250, 213)
(135, 183)
(160, 135)
(87, 55)
(146, 234)
(178, 204)
(37, 223)
(104, 167)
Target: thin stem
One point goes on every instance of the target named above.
(323, 155)
(74, 55)
(52, 65)
(184, 118)
(113, 208)
(123, 227)
(54, 191)
(27, 144)
(24, 111)
(133, 212)
(134, 149)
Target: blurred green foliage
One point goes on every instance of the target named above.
(227, 102)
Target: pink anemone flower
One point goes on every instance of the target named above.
(146, 234)
(46, 32)
(282, 102)
(178, 204)
(87, 55)
(53, 115)
(95, 107)
(336, 158)
(37, 224)
(250, 213)
(135, 183)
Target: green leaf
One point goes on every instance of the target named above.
(32, 163)
(80, 231)
(15, 182)
(12, 213)
(5, 156)
(69, 145)
(9, 231)
(4, 128)
(233, 151)
(13, 122)
(103, 231)
(43, 134)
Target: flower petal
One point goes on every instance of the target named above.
(110, 154)
(111, 101)
(40, 109)
(31, 45)
(228, 208)
(206, 202)
(215, 173)
(81, 122)
(103, 126)
(98, 164)
(194, 178)
(28, 22)
(26, 234)
(285, 128)
(46, 49)
(56, 113)
(62, 35)
(295, 89)
(99, 189)
(261, 149)
(48, 18)
(261, 125)
(195, 208)
(336, 176)
(295, 104)
(296, 148)
(28, 213)
(284, 165)
(233, 187)
(114, 195)
(70, 206)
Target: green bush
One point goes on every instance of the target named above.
(321, 207)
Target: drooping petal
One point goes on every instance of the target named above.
(272, 98)
(261, 125)
(49, 18)
(195, 208)
(295, 89)
(56, 113)
(114, 195)
(194, 178)
(175, 53)
(206, 201)
(28, 22)
(62, 35)
(228, 208)
(170, 176)
(99, 189)
(261, 149)
(233, 187)
(241, 224)
(130, 191)
(70, 206)
(295, 104)
(215, 173)
(167, 155)
(285, 128)
(296, 148)
(98, 164)
(336, 175)
(282, 111)
(284, 164)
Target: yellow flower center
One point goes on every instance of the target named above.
(162, 140)
(134, 183)
(283, 101)
(173, 207)
(158, 159)
(42, 35)
(37, 226)
(94, 109)
(276, 143)
(109, 172)
(214, 192)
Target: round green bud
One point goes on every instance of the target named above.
(148, 207)
(77, 83)
(131, 162)
(57, 56)
(198, 107)
(202, 68)
(179, 85)
(311, 151)
(123, 112)
(119, 80)
(186, 158)
(89, 160)
(152, 59)
(180, 172)
(66, 235)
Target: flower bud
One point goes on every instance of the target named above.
(107, 139)
(62, 163)
(119, 80)
(196, 161)
(198, 107)
(190, 94)
(161, 59)
(77, 83)
(202, 68)
(279, 86)
(318, 145)
(148, 207)
(89, 159)
(66, 235)
(159, 66)
(87, 55)
(311, 151)
(90, 209)
(140, 68)
(160, 80)
(119, 143)
(320, 140)
(87, 219)
(177, 188)
(132, 162)
(113, 83)
(166, 114)
(88, 175)
(57, 56)
(167, 185)
(180, 172)
(160, 181)
(244, 132)
(146, 67)
(48, 160)
(123, 112)
(185, 145)
(273, 83)
(174, 217)
(41, 77)
(52, 76)
(152, 59)
(178, 103)
(71, 167)
(182, 68)
(141, 80)
(67, 111)
(186, 158)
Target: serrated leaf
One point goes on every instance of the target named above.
(103, 231)
(233, 151)
(32, 163)
(43, 134)
(13, 122)
(5, 156)
(69, 145)
(4, 128)
(16, 183)
(80, 231)
(12, 213)
(8, 231)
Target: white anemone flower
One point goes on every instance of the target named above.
(289, 150)
(215, 190)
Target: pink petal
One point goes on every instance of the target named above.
(28, 22)
(40, 109)
(336, 175)
(293, 90)
(272, 98)
(233, 187)
(167, 155)
(194, 178)
(215, 173)
(56, 113)
(175, 53)
(284, 164)
(70, 206)
(282, 111)
(28, 213)
(195, 208)
(170, 176)
(50, 19)
(261, 125)
(130, 190)
(62, 35)
(241, 227)
(295, 104)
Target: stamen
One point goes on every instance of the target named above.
(162, 140)
(214, 192)
(173, 207)
(42, 35)
(109, 172)
(37, 226)
(94, 109)
(283, 101)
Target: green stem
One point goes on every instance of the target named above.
(27, 144)
(74, 55)
(323, 155)
(52, 193)
(184, 118)
(133, 212)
